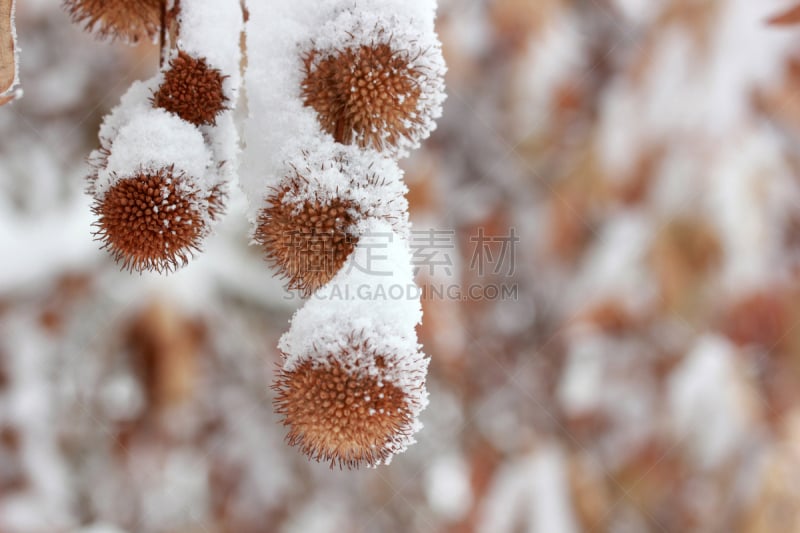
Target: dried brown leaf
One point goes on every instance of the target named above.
(786, 18)
(8, 63)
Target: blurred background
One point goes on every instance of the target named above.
(608, 230)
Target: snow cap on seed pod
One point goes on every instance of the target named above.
(211, 29)
(133, 102)
(315, 215)
(126, 20)
(352, 381)
(376, 80)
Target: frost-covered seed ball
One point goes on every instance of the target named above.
(369, 96)
(353, 428)
(131, 224)
(309, 242)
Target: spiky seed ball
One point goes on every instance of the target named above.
(307, 242)
(345, 416)
(367, 95)
(98, 161)
(150, 221)
(192, 90)
(127, 20)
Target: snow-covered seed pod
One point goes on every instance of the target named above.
(313, 218)
(153, 220)
(309, 241)
(192, 90)
(152, 193)
(127, 20)
(343, 407)
(375, 85)
(352, 380)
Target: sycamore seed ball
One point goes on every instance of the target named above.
(151, 221)
(369, 95)
(192, 90)
(307, 242)
(341, 413)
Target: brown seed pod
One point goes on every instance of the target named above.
(128, 20)
(308, 242)
(192, 90)
(343, 412)
(151, 221)
(314, 217)
(368, 95)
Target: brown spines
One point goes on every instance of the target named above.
(128, 20)
(192, 90)
(366, 96)
(347, 417)
(308, 242)
(98, 160)
(150, 221)
(217, 198)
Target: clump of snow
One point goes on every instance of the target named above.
(373, 299)
(152, 140)
(420, 12)
(448, 487)
(531, 494)
(711, 404)
(616, 266)
(133, 102)
(101, 528)
(374, 185)
(553, 57)
(358, 26)
(211, 29)
(141, 138)
(746, 208)
(582, 384)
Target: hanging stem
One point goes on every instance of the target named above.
(163, 34)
